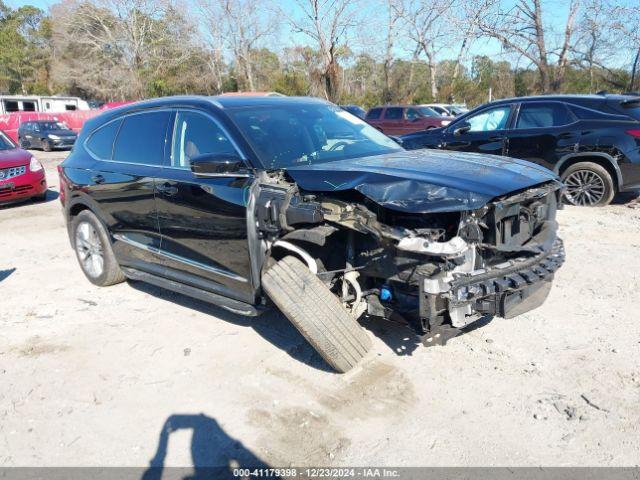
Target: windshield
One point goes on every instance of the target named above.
(52, 126)
(291, 135)
(428, 112)
(6, 143)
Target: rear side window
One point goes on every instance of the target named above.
(100, 143)
(542, 115)
(374, 113)
(141, 139)
(393, 114)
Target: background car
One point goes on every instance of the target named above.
(402, 119)
(591, 141)
(447, 109)
(354, 110)
(21, 175)
(45, 134)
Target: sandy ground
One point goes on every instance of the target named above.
(90, 376)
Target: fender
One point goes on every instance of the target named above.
(605, 156)
(81, 198)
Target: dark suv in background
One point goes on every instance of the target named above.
(45, 134)
(591, 141)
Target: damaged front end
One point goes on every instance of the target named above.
(436, 271)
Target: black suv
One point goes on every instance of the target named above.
(45, 134)
(240, 201)
(591, 141)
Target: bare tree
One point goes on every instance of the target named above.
(426, 23)
(241, 26)
(393, 17)
(328, 24)
(466, 19)
(521, 29)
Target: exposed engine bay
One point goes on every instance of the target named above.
(436, 272)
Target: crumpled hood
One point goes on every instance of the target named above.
(423, 181)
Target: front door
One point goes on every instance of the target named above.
(203, 221)
(543, 133)
(483, 132)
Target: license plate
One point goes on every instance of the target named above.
(7, 186)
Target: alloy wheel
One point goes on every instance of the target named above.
(89, 249)
(584, 188)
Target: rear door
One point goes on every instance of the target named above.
(203, 221)
(129, 153)
(483, 132)
(374, 117)
(543, 132)
(393, 120)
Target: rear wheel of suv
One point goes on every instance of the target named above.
(588, 184)
(316, 313)
(93, 250)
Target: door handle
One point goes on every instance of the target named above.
(98, 179)
(566, 135)
(495, 138)
(167, 189)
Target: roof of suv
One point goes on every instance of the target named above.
(220, 101)
(568, 98)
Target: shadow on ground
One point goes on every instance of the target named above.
(271, 325)
(214, 453)
(4, 274)
(51, 195)
(626, 198)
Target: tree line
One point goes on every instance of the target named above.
(349, 51)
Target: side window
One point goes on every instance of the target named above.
(489, 120)
(196, 134)
(141, 138)
(393, 113)
(374, 114)
(411, 114)
(35, 127)
(100, 143)
(541, 115)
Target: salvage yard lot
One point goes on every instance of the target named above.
(90, 376)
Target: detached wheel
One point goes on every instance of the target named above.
(316, 313)
(588, 185)
(93, 250)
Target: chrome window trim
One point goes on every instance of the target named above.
(178, 258)
(218, 124)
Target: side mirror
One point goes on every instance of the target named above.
(463, 128)
(214, 164)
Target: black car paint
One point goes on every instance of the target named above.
(554, 148)
(194, 231)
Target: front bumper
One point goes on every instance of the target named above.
(506, 290)
(63, 142)
(22, 187)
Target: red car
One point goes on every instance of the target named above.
(22, 176)
(403, 119)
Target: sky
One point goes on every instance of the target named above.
(555, 13)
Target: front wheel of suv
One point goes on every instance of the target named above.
(316, 313)
(588, 185)
(93, 250)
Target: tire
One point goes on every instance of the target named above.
(316, 313)
(602, 188)
(88, 233)
(47, 146)
(23, 143)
